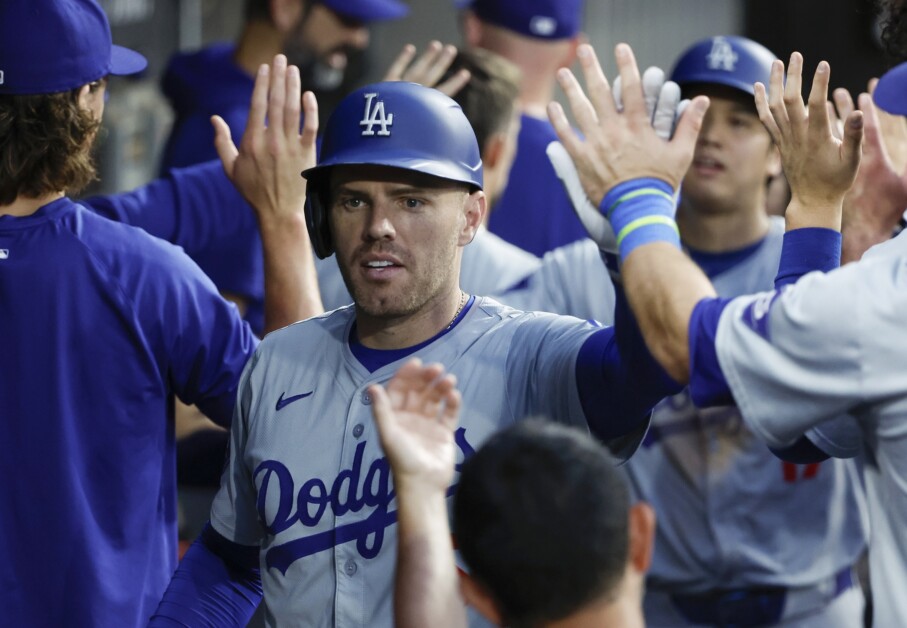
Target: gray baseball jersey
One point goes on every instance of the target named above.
(490, 265)
(731, 514)
(306, 478)
(830, 345)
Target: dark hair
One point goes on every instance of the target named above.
(45, 145)
(894, 29)
(540, 517)
(488, 99)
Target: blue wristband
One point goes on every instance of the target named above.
(641, 211)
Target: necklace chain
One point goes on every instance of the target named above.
(459, 309)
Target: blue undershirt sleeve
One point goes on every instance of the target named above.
(805, 250)
(619, 381)
(217, 584)
(708, 386)
(801, 452)
(193, 207)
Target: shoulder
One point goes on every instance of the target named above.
(328, 327)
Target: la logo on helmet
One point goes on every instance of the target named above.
(374, 115)
(722, 55)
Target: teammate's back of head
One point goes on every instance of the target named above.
(543, 520)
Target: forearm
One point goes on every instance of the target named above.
(663, 286)
(291, 283)
(426, 591)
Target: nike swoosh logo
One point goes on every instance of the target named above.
(283, 403)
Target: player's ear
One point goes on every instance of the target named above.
(773, 168)
(472, 29)
(285, 14)
(474, 208)
(570, 55)
(642, 536)
(475, 595)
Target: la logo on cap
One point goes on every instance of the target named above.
(542, 25)
(722, 55)
(375, 115)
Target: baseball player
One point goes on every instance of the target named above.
(306, 493)
(793, 358)
(539, 36)
(101, 325)
(718, 490)
(542, 517)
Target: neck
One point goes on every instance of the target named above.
(626, 612)
(409, 330)
(257, 44)
(535, 96)
(719, 232)
(23, 206)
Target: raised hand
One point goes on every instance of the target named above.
(618, 146)
(416, 415)
(875, 203)
(266, 166)
(819, 167)
(428, 69)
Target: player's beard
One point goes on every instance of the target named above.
(314, 71)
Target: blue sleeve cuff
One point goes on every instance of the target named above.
(805, 250)
(708, 387)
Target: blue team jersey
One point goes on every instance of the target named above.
(100, 325)
(534, 212)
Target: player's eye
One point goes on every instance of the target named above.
(412, 203)
(350, 203)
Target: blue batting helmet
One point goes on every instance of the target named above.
(732, 61)
(396, 124)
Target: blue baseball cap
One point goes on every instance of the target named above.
(891, 91)
(49, 46)
(542, 19)
(368, 10)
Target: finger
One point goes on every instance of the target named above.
(837, 124)
(820, 125)
(418, 69)
(630, 81)
(776, 100)
(395, 71)
(871, 136)
(765, 114)
(616, 90)
(309, 122)
(293, 108)
(440, 386)
(653, 79)
(258, 109)
(436, 70)
(689, 125)
(843, 102)
(278, 93)
(793, 95)
(565, 132)
(382, 408)
(452, 86)
(666, 110)
(450, 410)
(223, 144)
(871, 85)
(406, 377)
(596, 84)
(580, 106)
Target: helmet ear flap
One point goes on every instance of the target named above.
(316, 220)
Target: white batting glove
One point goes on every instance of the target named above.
(664, 107)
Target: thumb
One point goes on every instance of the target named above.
(223, 143)
(853, 138)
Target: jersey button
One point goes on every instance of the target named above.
(357, 431)
(366, 398)
(350, 567)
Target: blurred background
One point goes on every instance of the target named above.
(844, 32)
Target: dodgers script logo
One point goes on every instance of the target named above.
(374, 114)
(352, 490)
(722, 55)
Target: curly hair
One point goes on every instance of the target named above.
(894, 28)
(45, 145)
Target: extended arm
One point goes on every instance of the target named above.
(266, 170)
(416, 417)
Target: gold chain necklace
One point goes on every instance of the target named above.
(459, 309)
